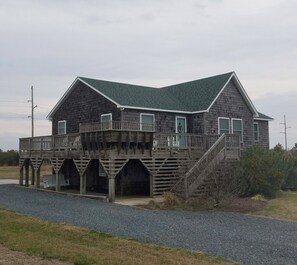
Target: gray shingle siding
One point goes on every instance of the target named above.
(263, 133)
(197, 123)
(230, 104)
(82, 105)
(164, 121)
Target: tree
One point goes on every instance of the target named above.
(9, 158)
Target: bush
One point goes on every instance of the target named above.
(263, 171)
(290, 181)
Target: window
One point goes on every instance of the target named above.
(106, 121)
(147, 122)
(256, 132)
(237, 127)
(61, 127)
(224, 125)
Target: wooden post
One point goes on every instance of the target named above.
(151, 185)
(190, 145)
(111, 189)
(58, 182)
(21, 175)
(83, 183)
(32, 175)
(186, 188)
(27, 173)
(37, 174)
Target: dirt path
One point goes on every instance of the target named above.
(9, 257)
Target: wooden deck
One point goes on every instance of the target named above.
(113, 144)
(166, 156)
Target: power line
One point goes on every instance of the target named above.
(285, 131)
(32, 112)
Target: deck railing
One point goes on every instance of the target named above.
(176, 140)
(116, 126)
(48, 145)
(71, 143)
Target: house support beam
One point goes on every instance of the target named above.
(57, 165)
(83, 184)
(32, 175)
(81, 166)
(21, 174)
(36, 164)
(112, 167)
(21, 171)
(27, 164)
(111, 189)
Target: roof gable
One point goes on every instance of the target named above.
(198, 95)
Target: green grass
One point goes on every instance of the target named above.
(282, 207)
(85, 247)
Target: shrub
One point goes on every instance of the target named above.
(263, 171)
(290, 181)
(169, 199)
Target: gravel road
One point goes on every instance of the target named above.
(242, 238)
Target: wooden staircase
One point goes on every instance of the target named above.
(165, 171)
(225, 148)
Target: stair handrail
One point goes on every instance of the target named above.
(214, 150)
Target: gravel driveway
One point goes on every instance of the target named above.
(243, 238)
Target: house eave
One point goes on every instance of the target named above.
(262, 119)
(161, 110)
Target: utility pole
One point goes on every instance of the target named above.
(285, 131)
(32, 112)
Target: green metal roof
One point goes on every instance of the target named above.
(199, 94)
(190, 96)
(136, 96)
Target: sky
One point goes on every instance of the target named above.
(48, 43)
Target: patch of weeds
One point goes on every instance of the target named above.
(83, 260)
(100, 234)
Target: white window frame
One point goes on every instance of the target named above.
(236, 119)
(146, 114)
(176, 125)
(219, 128)
(59, 122)
(105, 115)
(258, 132)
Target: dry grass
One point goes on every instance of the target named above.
(283, 207)
(84, 247)
(7, 172)
(12, 172)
